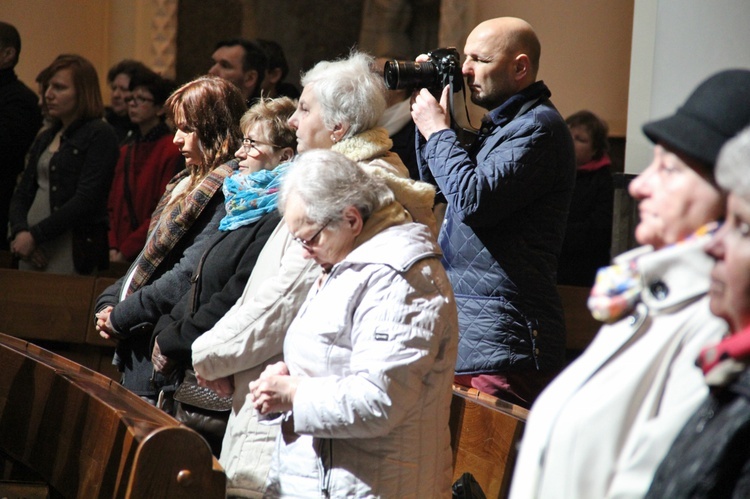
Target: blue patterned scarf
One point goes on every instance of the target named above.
(249, 197)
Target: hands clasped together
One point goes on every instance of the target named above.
(274, 391)
(24, 247)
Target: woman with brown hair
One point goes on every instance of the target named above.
(58, 213)
(206, 113)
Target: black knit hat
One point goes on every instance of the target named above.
(715, 112)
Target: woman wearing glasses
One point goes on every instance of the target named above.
(250, 194)
(250, 336)
(147, 161)
(365, 384)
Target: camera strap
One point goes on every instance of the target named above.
(450, 98)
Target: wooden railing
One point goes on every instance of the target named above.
(85, 436)
(57, 312)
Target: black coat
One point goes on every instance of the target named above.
(219, 281)
(20, 120)
(588, 235)
(80, 176)
(711, 455)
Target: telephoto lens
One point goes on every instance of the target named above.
(406, 74)
(444, 67)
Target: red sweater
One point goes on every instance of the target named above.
(152, 161)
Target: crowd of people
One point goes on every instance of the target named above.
(300, 260)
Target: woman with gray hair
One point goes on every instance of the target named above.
(339, 109)
(251, 334)
(365, 385)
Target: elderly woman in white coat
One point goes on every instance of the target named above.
(600, 429)
(250, 336)
(365, 385)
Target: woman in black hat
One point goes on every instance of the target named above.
(603, 425)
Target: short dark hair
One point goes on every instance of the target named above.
(596, 127)
(160, 88)
(276, 57)
(129, 67)
(9, 37)
(255, 57)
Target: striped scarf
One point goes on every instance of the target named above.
(167, 228)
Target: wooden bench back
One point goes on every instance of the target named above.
(88, 437)
(580, 326)
(56, 311)
(485, 433)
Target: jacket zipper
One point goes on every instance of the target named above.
(324, 466)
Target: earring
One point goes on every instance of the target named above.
(333, 138)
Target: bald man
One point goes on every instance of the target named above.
(508, 198)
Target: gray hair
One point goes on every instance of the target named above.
(733, 165)
(348, 92)
(328, 182)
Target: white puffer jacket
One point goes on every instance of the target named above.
(250, 336)
(376, 345)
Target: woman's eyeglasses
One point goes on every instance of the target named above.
(250, 143)
(138, 99)
(307, 243)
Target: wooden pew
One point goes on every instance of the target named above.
(580, 326)
(6, 260)
(485, 433)
(86, 436)
(57, 312)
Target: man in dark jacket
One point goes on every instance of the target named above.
(508, 197)
(20, 119)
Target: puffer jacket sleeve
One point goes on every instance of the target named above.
(509, 178)
(397, 344)
(254, 328)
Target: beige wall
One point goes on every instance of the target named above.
(585, 43)
(585, 49)
(103, 31)
(676, 46)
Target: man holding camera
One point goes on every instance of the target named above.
(508, 196)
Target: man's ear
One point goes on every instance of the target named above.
(251, 78)
(7, 55)
(522, 66)
(273, 75)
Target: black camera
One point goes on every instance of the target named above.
(434, 75)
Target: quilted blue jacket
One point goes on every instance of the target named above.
(508, 197)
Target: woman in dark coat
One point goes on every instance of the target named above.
(206, 113)
(588, 235)
(58, 213)
(250, 202)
